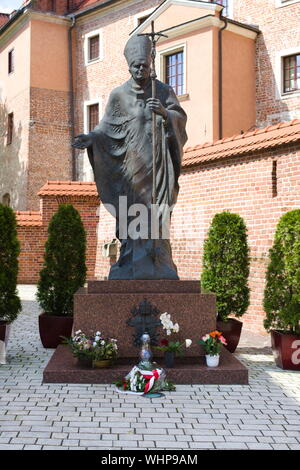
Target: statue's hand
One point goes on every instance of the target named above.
(82, 141)
(156, 106)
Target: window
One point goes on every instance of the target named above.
(225, 4)
(174, 72)
(291, 73)
(11, 62)
(51, 5)
(93, 47)
(6, 200)
(284, 3)
(10, 127)
(93, 116)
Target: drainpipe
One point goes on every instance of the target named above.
(222, 18)
(71, 91)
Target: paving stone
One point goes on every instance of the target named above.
(262, 415)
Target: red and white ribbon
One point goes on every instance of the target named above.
(152, 376)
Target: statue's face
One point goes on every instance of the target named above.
(140, 70)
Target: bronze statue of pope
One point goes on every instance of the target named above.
(120, 153)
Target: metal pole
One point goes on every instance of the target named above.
(154, 137)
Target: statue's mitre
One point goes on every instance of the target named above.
(137, 47)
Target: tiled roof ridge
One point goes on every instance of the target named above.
(69, 188)
(236, 137)
(29, 218)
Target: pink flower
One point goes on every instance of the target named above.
(205, 338)
(223, 340)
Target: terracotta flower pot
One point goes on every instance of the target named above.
(52, 327)
(102, 364)
(4, 335)
(286, 349)
(231, 331)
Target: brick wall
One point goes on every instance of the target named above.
(95, 81)
(242, 185)
(279, 31)
(32, 228)
(49, 141)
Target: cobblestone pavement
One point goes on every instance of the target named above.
(263, 415)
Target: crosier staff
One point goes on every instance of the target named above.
(154, 38)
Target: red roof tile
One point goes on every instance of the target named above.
(259, 139)
(4, 17)
(28, 218)
(68, 188)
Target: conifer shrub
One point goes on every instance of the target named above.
(10, 304)
(226, 264)
(282, 291)
(64, 270)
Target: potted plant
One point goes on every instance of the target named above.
(93, 350)
(171, 348)
(212, 343)
(226, 271)
(282, 292)
(10, 304)
(63, 273)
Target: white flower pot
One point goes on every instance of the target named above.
(212, 361)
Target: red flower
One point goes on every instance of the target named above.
(164, 342)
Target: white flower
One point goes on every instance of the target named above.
(102, 343)
(95, 343)
(169, 332)
(77, 332)
(176, 328)
(205, 338)
(188, 342)
(98, 333)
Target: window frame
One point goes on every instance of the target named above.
(229, 7)
(11, 61)
(141, 15)
(282, 3)
(163, 54)
(86, 46)
(86, 168)
(279, 73)
(296, 90)
(10, 128)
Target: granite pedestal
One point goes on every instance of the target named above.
(106, 305)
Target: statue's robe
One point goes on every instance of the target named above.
(121, 158)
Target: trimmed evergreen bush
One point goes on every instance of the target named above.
(10, 305)
(64, 270)
(226, 264)
(282, 291)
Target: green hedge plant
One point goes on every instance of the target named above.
(226, 264)
(64, 270)
(10, 304)
(282, 291)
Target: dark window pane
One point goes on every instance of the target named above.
(93, 111)
(224, 3)
(10, 127)
(174, 71)
(291, 67)
(11, 62)
(94, 47)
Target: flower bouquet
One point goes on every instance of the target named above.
(142, 382)
(94, 350)
(171, 348)
(212, 343)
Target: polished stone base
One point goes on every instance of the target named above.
(107, 305)
(63, 368)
